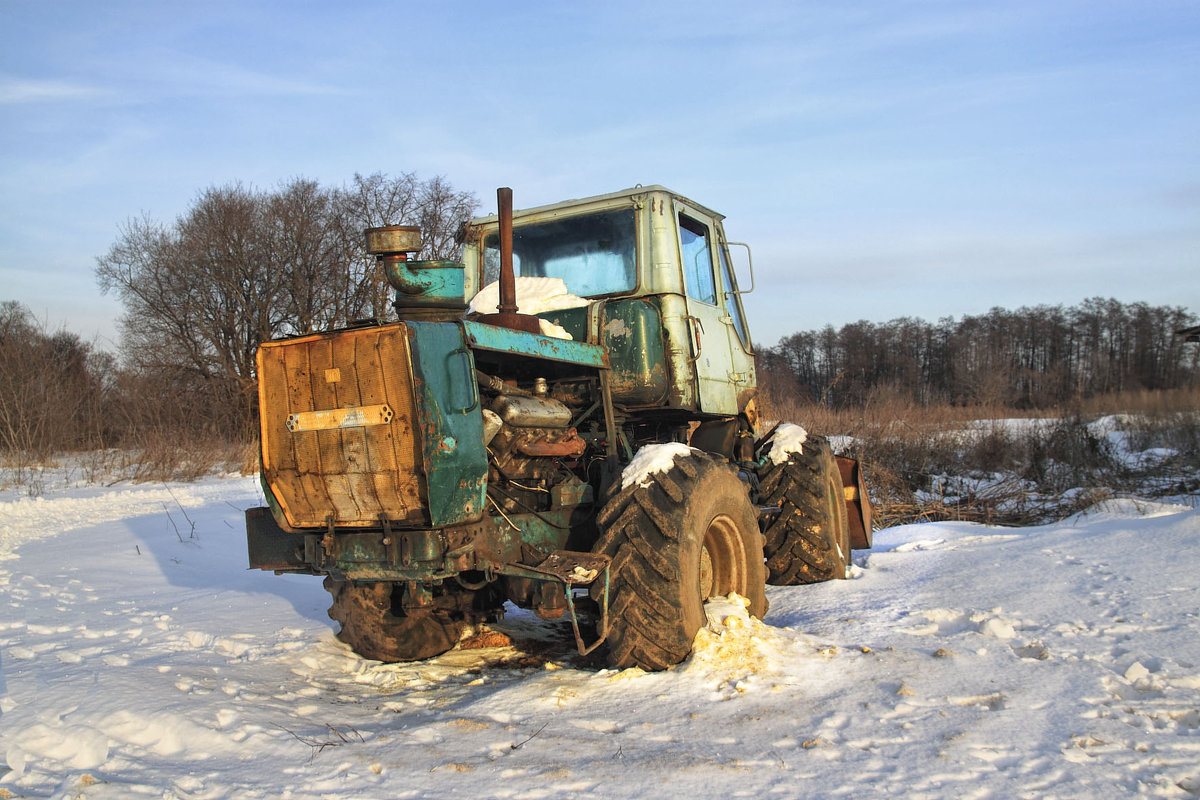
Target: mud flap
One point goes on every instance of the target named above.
(272, 548)
(858, 503)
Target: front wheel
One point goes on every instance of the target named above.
(688, 535)
(809, 541)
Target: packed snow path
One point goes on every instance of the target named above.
(140, 658)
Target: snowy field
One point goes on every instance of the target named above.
(140, 658)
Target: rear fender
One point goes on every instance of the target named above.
(858, 503)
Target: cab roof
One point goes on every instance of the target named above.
(600, 199)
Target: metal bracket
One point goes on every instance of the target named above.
(333, 418)
(327, 540)
(389, 540)
(577, 569)
(573, 568)
(603, 632)
(612, 464)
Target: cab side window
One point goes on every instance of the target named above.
(697, 260)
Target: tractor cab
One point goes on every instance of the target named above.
(662, 295)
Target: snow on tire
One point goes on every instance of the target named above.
(684, 535)
(809, 541)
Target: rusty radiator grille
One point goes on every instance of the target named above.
(337, 425)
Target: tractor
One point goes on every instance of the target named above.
(563, 419)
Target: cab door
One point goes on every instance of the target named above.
(708, 323)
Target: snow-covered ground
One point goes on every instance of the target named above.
(140, 658)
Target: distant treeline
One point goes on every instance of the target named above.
(1035, 357)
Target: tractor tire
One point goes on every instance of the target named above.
(809, 541)
(691, 533)
(373, 629)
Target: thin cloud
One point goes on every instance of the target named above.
(24, 90)
(1184, 197)
(201, 76)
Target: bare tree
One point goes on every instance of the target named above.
(377, 199)
(244, 265)
(52, 389)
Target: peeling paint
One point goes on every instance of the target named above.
(616, 327)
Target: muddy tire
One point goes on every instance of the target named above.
(375, 630)
(688, 535)
(809, 541)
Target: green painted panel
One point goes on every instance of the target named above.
(633, 338)
(432, 283)
(451, 422)
(506, 340)
(572, 320)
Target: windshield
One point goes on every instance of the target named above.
(594, 254)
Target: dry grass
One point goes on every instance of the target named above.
(928, 463)
(161, 457)
(151, 459)
(1144, 403)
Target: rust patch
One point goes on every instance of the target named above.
(569, 445)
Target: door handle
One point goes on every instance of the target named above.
(697, 328)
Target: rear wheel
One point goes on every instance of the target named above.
(375, 627)
(688, 535)
(809, 541)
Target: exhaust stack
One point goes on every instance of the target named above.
(506, 315)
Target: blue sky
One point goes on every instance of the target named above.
(884, 159)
